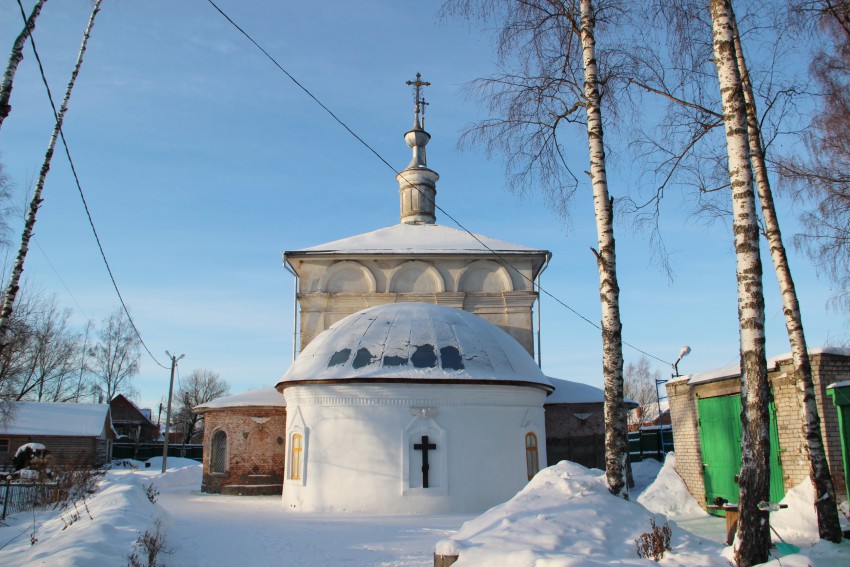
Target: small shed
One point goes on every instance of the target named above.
(76, 435)
(575, 424)
(244, 443)
(705, 410)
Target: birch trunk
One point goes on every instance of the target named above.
(14, 60)
(753, 536)
(829, 527)
(18, 269)
(616, 440)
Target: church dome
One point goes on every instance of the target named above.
(415, 342)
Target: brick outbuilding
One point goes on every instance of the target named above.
(694, 399)
(244, 443)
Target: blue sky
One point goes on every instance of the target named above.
(202, 163)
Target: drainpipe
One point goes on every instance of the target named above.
(289, 269)
(540, 308)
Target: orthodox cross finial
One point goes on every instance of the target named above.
(418, 99)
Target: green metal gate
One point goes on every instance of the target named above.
(720, 440)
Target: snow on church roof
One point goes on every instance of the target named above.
(62, 419)
(262, 397)
(418, 341)
(418, 239)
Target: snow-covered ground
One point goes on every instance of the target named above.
(564, 517)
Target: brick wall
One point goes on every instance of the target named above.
(255, 450)
(575, 432)
(683, 415)
(828, 369)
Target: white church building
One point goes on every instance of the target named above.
(416, 389)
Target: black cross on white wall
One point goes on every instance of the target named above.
(425, 446)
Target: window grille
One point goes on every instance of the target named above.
(218, 459)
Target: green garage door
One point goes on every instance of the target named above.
(720, 438)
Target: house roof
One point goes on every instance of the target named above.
(406, 239)
(61, 419)
(568, 392)
(414, 342)
(143, 413)
(262, 397)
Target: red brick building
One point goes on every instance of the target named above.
(697, 403)
(244, 443)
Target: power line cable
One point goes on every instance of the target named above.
(439, 208)
(82, 196)
(55, 271)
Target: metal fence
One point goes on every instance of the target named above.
(650, 442)
(145, 451)
(22, 496)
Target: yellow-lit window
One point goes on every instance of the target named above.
(295, 457)
(532, 463)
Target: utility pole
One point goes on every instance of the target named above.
(174, 360)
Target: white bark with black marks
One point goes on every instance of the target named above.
(825, 504)
(18, 269)
(753, 536)
(616, 431)
(15, 59)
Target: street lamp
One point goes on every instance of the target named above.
(683, 352)
(174, 360)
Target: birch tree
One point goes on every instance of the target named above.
(825, 502)
(556, 76)
(753, 536)
(15, 59)
(698, 117)
(17, 271)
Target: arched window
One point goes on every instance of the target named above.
(218, 458)
(295, 457)
(532, 463)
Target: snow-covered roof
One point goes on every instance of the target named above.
(842, 384)
(69, 420)
(418, 341)
(733, 370)
(409, 239)
(567, 392)
(262, 397)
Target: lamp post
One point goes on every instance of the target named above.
(174, 360)
(683, 352)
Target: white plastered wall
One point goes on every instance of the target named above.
(361, 456)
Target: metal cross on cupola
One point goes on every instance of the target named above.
(418, 99)
(425, 446)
